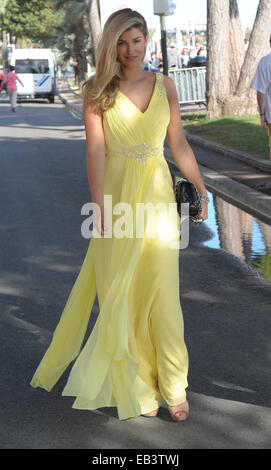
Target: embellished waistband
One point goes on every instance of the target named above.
(139, 152)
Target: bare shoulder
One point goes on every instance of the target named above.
(89, 106)
(93, 118)
(170, 88)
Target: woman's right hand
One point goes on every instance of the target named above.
(99, 219)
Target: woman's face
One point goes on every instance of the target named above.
(131, 47)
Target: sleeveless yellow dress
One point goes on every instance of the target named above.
(135, 356)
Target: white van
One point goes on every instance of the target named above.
(37, 70)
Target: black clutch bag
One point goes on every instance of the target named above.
(186, 192)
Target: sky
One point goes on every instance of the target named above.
(193, 10)
(196, 10)
(248, 10)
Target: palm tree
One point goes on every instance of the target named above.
(79, 34)
(73, 36)
(93, 14)
(3, 36)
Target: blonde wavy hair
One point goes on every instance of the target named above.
(102, 88)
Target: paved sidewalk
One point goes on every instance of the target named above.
(72, 101)
(234, 168)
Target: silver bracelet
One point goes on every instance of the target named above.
(204, 197)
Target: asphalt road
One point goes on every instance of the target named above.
(226, 307)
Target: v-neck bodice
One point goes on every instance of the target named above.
(150, 100)
(130, 132)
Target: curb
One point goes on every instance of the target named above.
(244, 157)
(71, 108)
(248, 199)
(254, 202)
(76, 110)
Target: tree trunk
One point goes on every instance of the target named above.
(236, 97)
(258, 46)
(243, 99)
(4, 49)
(79, 50)
(237, 45)
(217, 71)
(93, 14)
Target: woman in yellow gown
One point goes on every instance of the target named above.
(135, 356)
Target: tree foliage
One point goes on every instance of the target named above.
(73, 37)
(35, 19)
(94, 22)
(70, 26)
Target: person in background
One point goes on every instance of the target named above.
(146, 64)
(63, 72)
(174, 57)
(185, 57)
(204, 49)
(11, 79)
(262, 84)
(68, 69)
(2, 76)
(59, 72)
(199, 60)
(161, 68)
(5, 71)
(194, 50)
(155, 62)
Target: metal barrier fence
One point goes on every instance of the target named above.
(190, 84)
